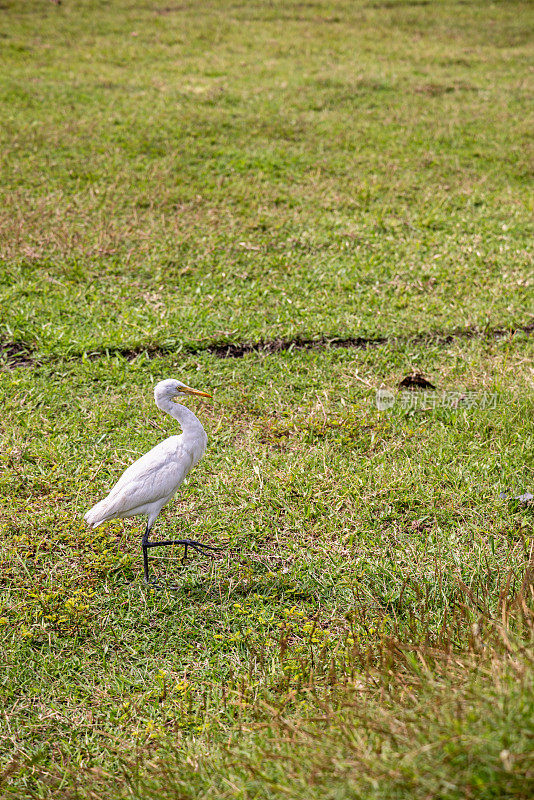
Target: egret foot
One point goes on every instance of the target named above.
(186, 543)
(196, 546)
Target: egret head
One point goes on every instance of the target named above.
(171, 390)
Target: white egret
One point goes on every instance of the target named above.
(151, 481)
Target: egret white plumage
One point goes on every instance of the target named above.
(151, 481)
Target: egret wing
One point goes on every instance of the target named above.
(155, 476)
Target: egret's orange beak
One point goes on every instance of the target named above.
(189, 390)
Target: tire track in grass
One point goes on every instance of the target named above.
(21, 354)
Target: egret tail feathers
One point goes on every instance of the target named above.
(97, 514)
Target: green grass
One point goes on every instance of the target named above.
(175, 178)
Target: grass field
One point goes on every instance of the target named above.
(289, 205)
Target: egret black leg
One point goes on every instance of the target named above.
(198, 546)
(146, 545)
